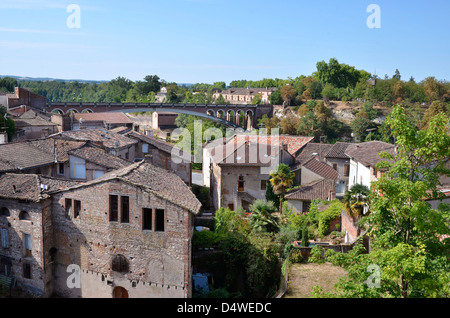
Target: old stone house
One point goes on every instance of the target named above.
(239, 169)
(127, 233)
(299, 199)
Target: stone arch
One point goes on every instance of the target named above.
(221, 114)
(58, 111)
(24, 216)
(120, 264)
(72, 110)
(87, 111)
(211, 112)
(4, 212)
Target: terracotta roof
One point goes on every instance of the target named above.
(23, 155)
(30, 187)
(367, 152)
(293, 143)
(249, 154)
(162, 183)
(107, 138)
(161, 145)
(310, 149)
(109, 118)
(338, 150)
(315, 190)
(99, 157)
(321, 168)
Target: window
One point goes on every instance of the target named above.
(160, 220)
(5, 266)
(5, 238)
(241, 183)
(24, 216)
(98, 174)
(68, 208)
(346, 170)
(27, 240)
(147, 219)
(335, 166)
(4, 212)
(27, 270)
(113, 208)
(76, 208)
(77, 168)
(263, 184)
(145, 148)
(125, 207)
(119, 264)
(306, 206)
(374, 172)
(61, 168)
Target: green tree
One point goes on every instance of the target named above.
(410, 244)
(355, 199)
(281, 180)
(262, 218)
(435, 108)
(275, 98)
(7, 124)
(288, 93)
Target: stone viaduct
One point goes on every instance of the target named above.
(236, 116)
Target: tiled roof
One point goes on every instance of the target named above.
(30, 187)
(250, 154)
(367, 152)
(316, 190)
(310, 149)
(107, 138)
(162, 183)
(23, 155)
(109, 118)
(338, 150)
(160, 144)
(321, 168)
(293, 143)
(99, 156)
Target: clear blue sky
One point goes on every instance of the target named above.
(204, 41)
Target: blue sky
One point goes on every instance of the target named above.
(204, 41)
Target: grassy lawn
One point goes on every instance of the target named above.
(303, 277)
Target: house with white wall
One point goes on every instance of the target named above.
(363, 160)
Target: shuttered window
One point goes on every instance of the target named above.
(5, 238)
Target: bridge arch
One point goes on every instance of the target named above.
(58, 111)
(87, 111)
(180, 111)
(72, 110)
(211, 112)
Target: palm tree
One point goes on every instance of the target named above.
(356, 198)
(262, 218)
(281, 180)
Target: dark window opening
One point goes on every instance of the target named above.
(61, 169)
(159, 221)
(27, 270)
(4, 212)
(113, 208)
(147, 222)
(125, 218)
(24, 216)
(119, 264)
(68, 207)
(263, 184)
(76, 208)
(241, 184)
(346, 170)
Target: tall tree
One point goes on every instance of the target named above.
(281, 180)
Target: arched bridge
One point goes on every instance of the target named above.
(237, 116)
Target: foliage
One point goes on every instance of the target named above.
(281, 180)
(409, 244)
(332, 212)
(262, 218)
(355, 199)
(7, 124)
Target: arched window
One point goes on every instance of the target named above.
(119, 264)
(24, 216)
(4, 212)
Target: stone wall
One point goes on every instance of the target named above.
(159, 262)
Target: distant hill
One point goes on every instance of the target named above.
(48, 79)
